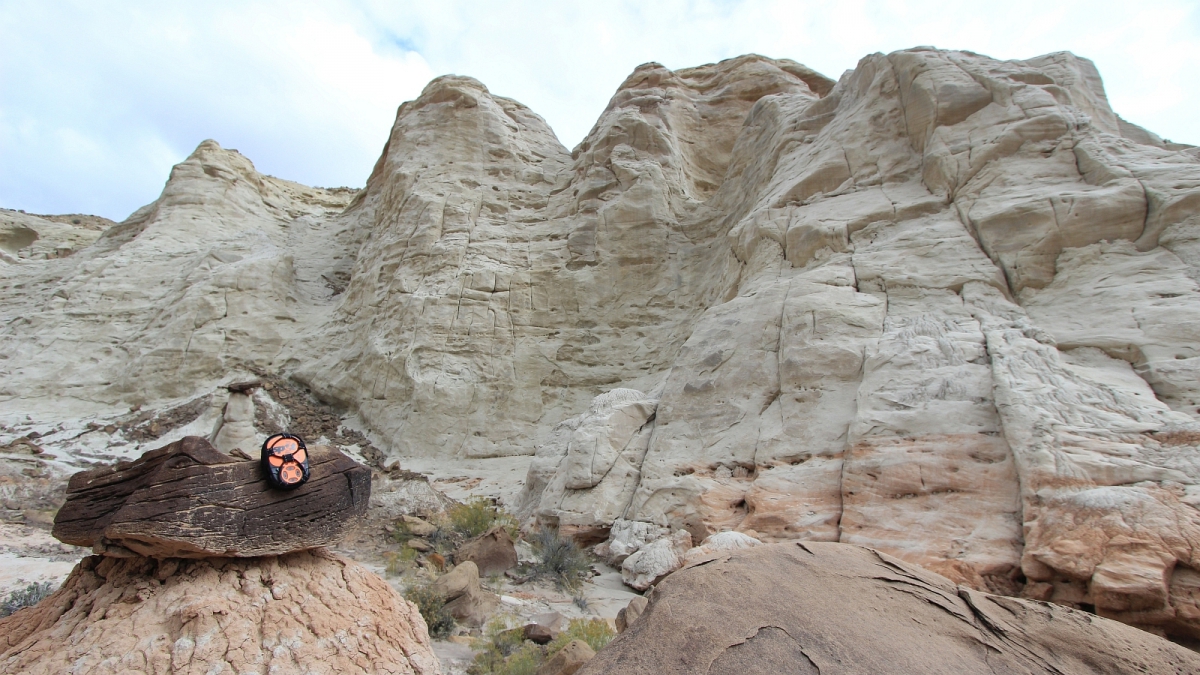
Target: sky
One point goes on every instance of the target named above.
(99, 100)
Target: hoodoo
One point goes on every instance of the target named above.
(202, 567)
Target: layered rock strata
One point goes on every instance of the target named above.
(187, 500)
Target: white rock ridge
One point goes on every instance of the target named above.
(946, 307)
(962, 332)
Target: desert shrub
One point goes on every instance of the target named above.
(398, 562)
(595, 632)
(504, 651)
(445, 540)
(478, 515)
(523, 661)
(432, 607)
(559, 559)
(26, 597)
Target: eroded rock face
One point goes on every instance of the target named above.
(823, 607)
(946, 307)
(960, 334)
(506, 281)
(303, 612)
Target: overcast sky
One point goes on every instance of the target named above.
(98, 100)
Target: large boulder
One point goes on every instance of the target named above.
(568, 660)
(717, 543)
(818, 607)
(630, 613)
(310, 611)
(187, 500)
(465, 598)
(493, 552)
(655, 560)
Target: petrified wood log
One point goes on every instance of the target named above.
(187, 500)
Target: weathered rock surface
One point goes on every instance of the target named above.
(568, 660)
(959, 333)
(833, 608)
(187, 500)
(299, 613)
(656, 560)
(631, 612)
(24, 236)
(946, 306)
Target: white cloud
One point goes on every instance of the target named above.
(97, 102)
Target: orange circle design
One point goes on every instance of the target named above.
(291, 474)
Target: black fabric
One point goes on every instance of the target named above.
(285, 461)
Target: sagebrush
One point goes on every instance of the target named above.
(26, 597)
(595, 632)
(478, 515)
(432, 606)
(559, 559)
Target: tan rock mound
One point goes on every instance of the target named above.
(465, 598)
(307, 612)
(820, 607)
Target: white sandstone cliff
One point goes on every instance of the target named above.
(946, 307)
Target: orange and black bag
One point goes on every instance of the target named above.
(285, 461)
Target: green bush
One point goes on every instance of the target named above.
(506, 652)
(432, 607)
(524, 660)
(26, 597)
(559, 559)
(595, 632)
(478, 515)
(400, 562)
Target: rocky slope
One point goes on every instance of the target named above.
(946, 307)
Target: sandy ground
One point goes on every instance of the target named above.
(28, 554)
(497, 477)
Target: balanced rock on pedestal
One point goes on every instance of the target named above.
(205, 569)
(187, 500)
